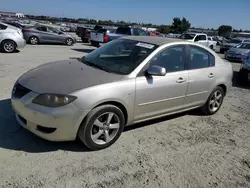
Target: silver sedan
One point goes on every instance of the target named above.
(128, 80)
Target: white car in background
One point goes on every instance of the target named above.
(200, 38)
(11, 38)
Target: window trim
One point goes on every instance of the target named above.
(189, 46)
(146, 66)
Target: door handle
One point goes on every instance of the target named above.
(181, 80)
(211, 75)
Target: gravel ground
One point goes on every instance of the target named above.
(185, 150)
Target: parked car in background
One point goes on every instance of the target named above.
(200, 38)
(15, 24)
(154, 34)
(226, 44)
(129, 80)
(44, 34)
(11, 38)
(244, 73)
(84, 32)
(238, 52)
(102, 36)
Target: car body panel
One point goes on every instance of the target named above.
(47, 78)
(168, 95)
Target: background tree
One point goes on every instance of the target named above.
(180, 25)
(224, 30)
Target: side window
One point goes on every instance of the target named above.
(203, 37)
(142, 32)
(197, 38)
(41, 28)
(3, 27)
(198, 58)
(172, 58)
(136, 32)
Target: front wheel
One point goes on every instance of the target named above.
(8, 46)
(102, 127)
(214, 101)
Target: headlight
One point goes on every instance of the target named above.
(53, 100)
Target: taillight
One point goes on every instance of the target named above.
(26, 30)
(105, 38)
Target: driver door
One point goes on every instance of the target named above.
(160, 95)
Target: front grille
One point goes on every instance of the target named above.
(19, 91)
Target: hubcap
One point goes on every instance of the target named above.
(215, 101)
(9, 47)
(105, 128)
(33, 40)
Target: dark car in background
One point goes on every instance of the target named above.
(43, 34)
(238, 52)
(244, 73)
(225, 45)
(15, 24)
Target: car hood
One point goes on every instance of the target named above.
(238, 50)
(65, 77)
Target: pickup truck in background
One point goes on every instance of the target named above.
(84, 32)
(105, 35)
(200, 38)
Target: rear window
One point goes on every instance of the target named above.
(187, 36)
(123, 30)
(3, 27)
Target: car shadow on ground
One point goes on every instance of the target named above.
(15, 137)
(15, 52)
(82, 50)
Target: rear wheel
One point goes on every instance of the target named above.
(33, 40)
(69, 41)
(102, 127)
(95, 44)
(214, 101)
(8, 46)
(85, 40)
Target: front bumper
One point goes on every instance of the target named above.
(62, 122)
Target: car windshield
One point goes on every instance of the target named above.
(119, 56)
(244, 46)
(187, 36)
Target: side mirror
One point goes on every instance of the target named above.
(156, 70)
(196, 39)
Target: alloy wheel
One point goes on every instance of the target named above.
(215, 101)
(33, 40)
(69, 42)
(9, 47)
(105, 128)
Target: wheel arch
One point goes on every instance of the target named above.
(224, 87)
(8, 40)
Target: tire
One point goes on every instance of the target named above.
(95, 44)
(8, 46)
(33, 40)
(69, 41)
(95, 127)
(210, 107)
(85, 40)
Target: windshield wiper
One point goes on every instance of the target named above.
(95, 65)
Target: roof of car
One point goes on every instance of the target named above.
(153, 40)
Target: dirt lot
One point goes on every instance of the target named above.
(186, 150)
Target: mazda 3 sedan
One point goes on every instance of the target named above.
(128, 80)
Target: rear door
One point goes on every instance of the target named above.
(202, 75)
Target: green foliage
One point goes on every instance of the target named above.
(224, 30)
(180, 25)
